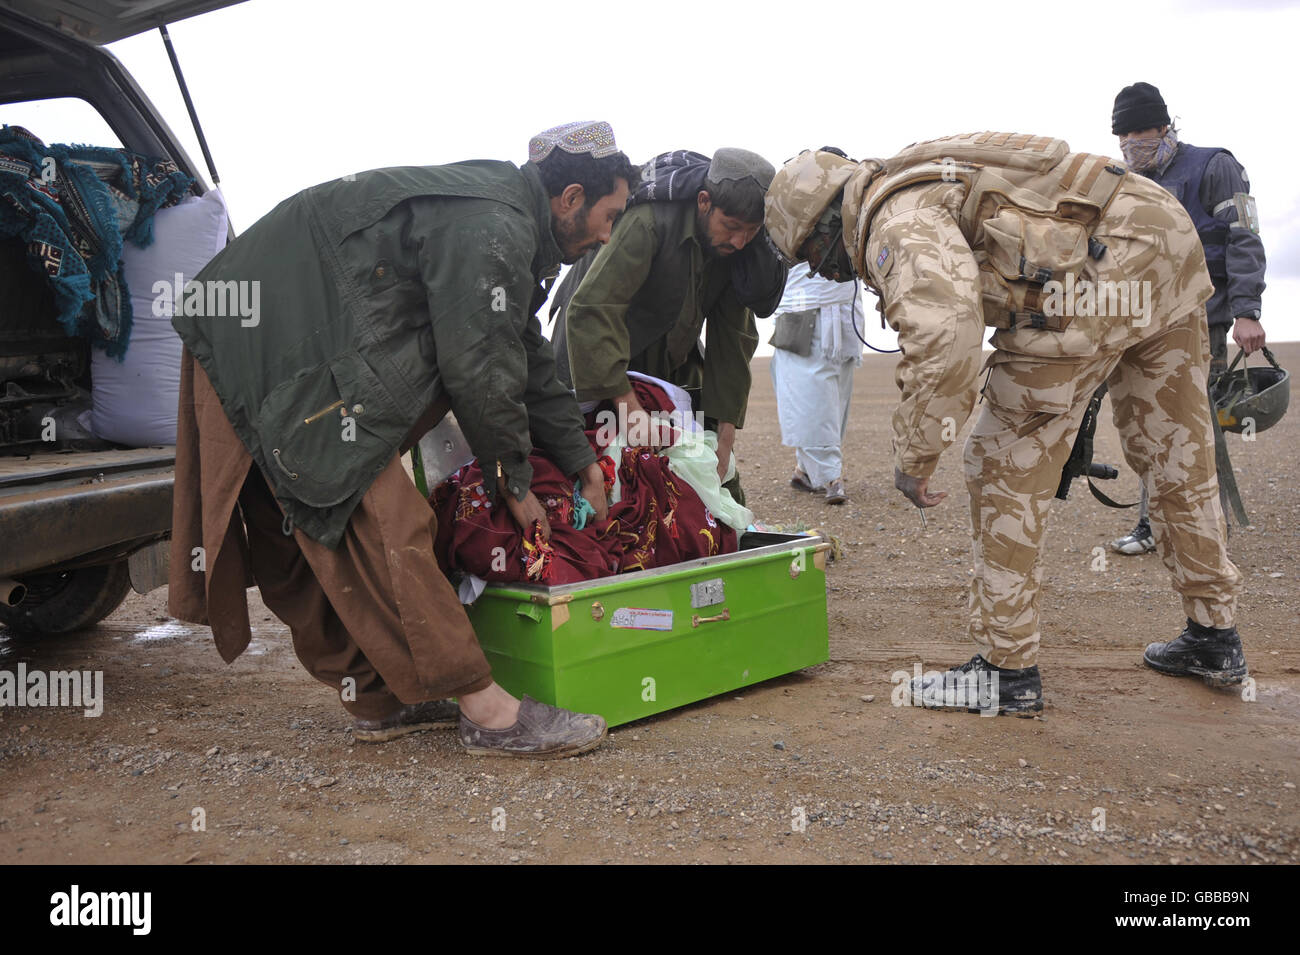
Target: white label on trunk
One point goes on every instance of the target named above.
(635, 618)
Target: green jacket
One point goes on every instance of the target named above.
(638, 304)
(378, 297)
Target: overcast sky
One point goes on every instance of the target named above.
(292, 92)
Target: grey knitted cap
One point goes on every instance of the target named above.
(731, 163)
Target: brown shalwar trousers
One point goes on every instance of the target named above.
(376, 610)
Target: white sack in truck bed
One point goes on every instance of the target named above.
(134, 401)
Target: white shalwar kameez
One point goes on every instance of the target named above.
(813, 392)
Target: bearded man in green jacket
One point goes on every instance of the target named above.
(689, 248)
(382, 301)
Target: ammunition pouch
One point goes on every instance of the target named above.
(1023, 251)
(1033, 228)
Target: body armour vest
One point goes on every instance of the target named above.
(1029, 211)
(1183, 179)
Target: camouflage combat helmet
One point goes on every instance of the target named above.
(1251, 399)
(799, 194)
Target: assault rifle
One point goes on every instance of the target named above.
(1080, 463)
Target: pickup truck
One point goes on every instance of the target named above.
(82, 521)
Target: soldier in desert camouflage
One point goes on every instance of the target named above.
(1089, 274)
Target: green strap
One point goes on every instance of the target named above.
(1227, 480)
(417, 468)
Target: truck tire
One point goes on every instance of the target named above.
(68, 600)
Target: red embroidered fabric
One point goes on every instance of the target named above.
(659, 519)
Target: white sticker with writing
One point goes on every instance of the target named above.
(635, 618)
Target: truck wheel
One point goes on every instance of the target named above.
(68, 600)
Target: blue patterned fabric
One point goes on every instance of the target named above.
(582, 509)
(73, 206)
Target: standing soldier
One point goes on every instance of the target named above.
(1213, 188)
(991, 229)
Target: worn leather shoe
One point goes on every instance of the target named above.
(541, 732)
(1216, 656)
(835, 492)
(411, 718)
(801, 482)
(977, 686)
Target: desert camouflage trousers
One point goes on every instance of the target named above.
(1038, 388)
(1021, 441)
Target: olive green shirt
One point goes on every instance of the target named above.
(641, 306)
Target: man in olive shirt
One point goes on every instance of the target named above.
(681, 254)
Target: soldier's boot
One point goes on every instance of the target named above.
(1216, 656)
(977, 686)
(1139, 540)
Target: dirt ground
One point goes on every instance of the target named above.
(1125, 764)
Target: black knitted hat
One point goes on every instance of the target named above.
(1139, 106)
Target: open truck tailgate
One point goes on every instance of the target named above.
(60, 506)
(107, 21)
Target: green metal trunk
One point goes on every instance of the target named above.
(637, 644)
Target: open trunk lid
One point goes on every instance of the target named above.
(106, 21)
